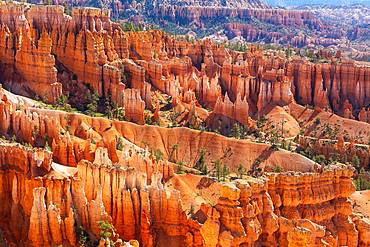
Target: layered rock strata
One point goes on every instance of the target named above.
(96, 52)
(273, 16)
(291, 209)
(252, 34)
(339, 149)
(116, 193)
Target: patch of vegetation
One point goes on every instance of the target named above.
(106, 229)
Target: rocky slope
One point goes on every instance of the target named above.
(355, 14)
(218, 3)
(289, 208)
(78, 175)
(271, 208)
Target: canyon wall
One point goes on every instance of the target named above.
(338, 149)
(46, 207)
(291, 209)
(263, 14)
(49, 195)
(95, 52)
(252, 34)
(48, 37)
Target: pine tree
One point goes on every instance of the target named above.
(180, 167)
(66, 8)
(355, 161)
(92, 103)
(277, 169)
(240, 172)
(191, 211)
(106, 228)
(119, 143)
(235, 131)
(225, 171)
(201, 162)
(158, 155)
(108, 104)
(217, 168)
(45, 98)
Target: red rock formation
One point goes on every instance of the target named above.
(252, 34)
(232, 233)
(30, 58)
(250, 211)
(39, 230)
(321, 97)
(291, 209)
(262, 13)
(125, 185)
(134, 106)
(125, 188)
(339, 148)
(275, 88)
(364, 115)
(92, 47)
(237, 111)
(210, 229)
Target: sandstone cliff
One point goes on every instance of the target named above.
(289, 209)
(95, 52)
(48, 195)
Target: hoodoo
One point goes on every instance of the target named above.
(121, 138)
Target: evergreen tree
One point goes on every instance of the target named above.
(256, 165)
(119, 143)
(140, 27)
(158, 154)
(108, 104)
(45, 98)
(355, 161)
(92, 103)
(225, 171)
(236, 131)
(201, 162)
(191, 211)
(192, 119)
(290, 145)
(66, 9)
(180, 167)
(240, 171)
(277, 169)
(217, 168)
(173, 117)
(106, 228)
